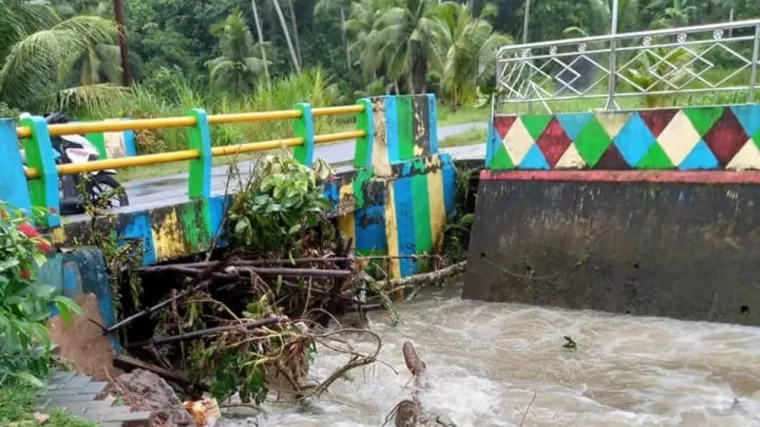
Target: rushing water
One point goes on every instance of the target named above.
(486, 362)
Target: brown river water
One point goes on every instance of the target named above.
(486, 362)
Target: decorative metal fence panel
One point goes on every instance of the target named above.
(654, 65)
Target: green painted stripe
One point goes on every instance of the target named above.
(405, 115)
(196, 225)
(421, 209)
(703, 118)
(501, 160)
(99, 141)
(361, 178)
(656, 158)
(535, 124)
(364, 122)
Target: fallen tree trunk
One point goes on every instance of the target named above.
(283, 261)
(396, 285)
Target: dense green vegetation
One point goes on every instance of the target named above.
(233, 55)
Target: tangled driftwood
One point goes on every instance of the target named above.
(409, 412)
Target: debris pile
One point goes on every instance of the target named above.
(243, 324)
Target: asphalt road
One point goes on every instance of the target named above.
(169, 190)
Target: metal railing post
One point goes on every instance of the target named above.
(610, 104)
(365, 121)
(43, 191)
(14, 188)
(753, 68)
(304, 128)
(199, 138)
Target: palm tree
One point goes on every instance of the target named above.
(406, 41)
(260, 34)
(472, 46)
(37, 50)
(236, 70)
(363, 17)
(600, 18)
(286, 32)
(341, 5)
(295, 30)
(676, 13)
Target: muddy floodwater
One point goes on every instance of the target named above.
(486, 362)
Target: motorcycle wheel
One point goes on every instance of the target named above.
(102, 184)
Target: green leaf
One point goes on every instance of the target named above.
(69, 303)
(65, 313)
(8, 264)
(30, 379)
(40, 259)
(241, 225)
(294, 229)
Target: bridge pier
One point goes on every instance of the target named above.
(644, 213)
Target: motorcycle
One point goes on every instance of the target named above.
(76, 149)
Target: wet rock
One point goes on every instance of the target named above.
(146, 391)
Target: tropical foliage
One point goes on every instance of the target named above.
(24, 302)
(65, 52)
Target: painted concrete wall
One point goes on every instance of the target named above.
(674, 138)
(81, 272)
(399, 211)
(648, 212)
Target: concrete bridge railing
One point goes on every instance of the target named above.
(395, 201)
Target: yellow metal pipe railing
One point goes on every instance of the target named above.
(337, 111)
(174, 156)
(122, 162)
(175, 122)
(255, 146)
(220, 119)
(340, 136)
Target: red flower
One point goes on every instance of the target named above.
(44, 246)
(28, 230)
(25, 274)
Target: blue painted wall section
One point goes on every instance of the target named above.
(78, 273)
(13, 185)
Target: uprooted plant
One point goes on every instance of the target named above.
(245, 323)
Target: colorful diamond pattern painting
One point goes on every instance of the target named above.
(726, 137)
(678, 138)
(634, 140)
(693, 138)
(553, 142)
(592, 142)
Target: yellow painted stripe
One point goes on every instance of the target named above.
(437, 205)
(347, 226)
(166, 237)
(58, 235)
(391, 231)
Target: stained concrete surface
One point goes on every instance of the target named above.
(170, 190)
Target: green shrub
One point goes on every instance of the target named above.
(24, 303)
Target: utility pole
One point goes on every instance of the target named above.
(118, 9)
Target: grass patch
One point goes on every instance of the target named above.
(447, 117)
(18, 404)
(471, 137)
